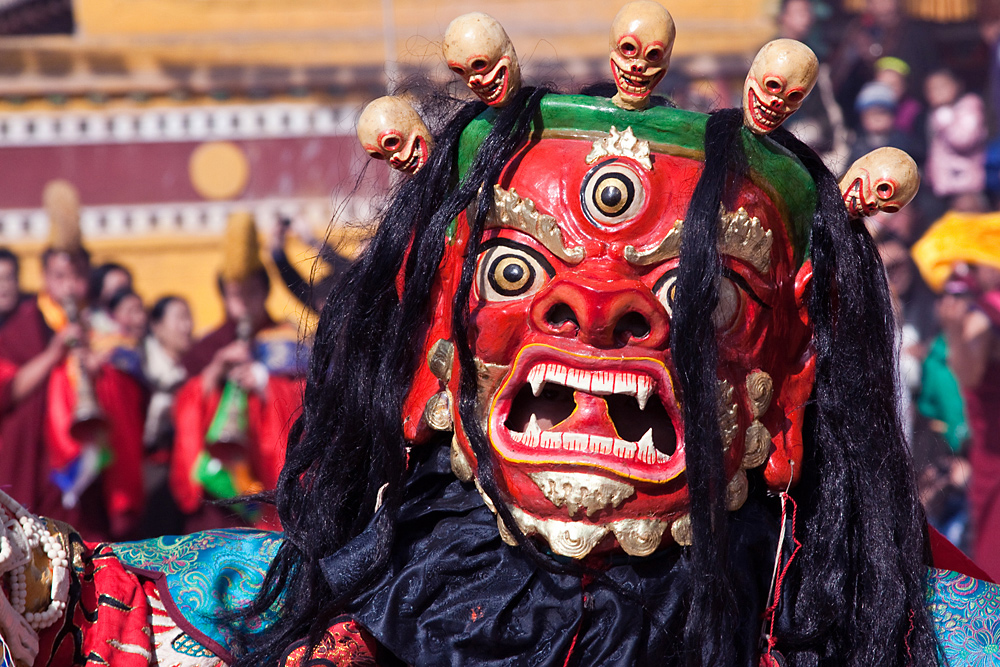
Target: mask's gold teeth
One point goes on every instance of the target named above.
(760, 388)
(437, 412)
(758, 445)
(623, 144)
(736, 491)
(639, 537)
(744, 237)
(575, 490)
(728, 419)
(566, 538)
(680, 530)
(505, 534)
(441, 358)
(460, 464)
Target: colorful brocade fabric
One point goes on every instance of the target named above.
(204, 574)
(344, 644)
(966, 613)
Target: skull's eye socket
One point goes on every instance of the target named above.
(773, 86)
(457, 70)
(509, 270)
(391, 142)
(795, 96)
(665, 290)
(628, 48)
(479, 64)
(654, 54)
(884, 190)
(612, 193)
(376, 155)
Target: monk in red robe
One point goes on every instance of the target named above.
(233, 414)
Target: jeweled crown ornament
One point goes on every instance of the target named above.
(391, 129)
(642, 39)
(884, 180)
(477, 48)
(781, 76)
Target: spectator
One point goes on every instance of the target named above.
(956, 154)
(894, 72)
(10, 289)
(125, 309)
(104, 282)
(876, 106)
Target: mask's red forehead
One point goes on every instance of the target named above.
(554, 174)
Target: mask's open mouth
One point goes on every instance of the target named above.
(491, 90)
(415, 161)
(615, 414)
(856, 205)
(637, 85)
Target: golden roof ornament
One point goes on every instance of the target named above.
(642, 40)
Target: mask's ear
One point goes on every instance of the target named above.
(784, 465)
(427, 406)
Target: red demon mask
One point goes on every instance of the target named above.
(570, 327)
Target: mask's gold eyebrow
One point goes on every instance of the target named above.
(740, 236)
(512, 211)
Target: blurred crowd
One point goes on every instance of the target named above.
(174, 422)
(115, 419)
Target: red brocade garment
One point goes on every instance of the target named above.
(24, 465)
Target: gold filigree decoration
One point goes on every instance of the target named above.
(575, 490)
(760, 388)
(441, 359)
(758, 445)
(437, 412)
(744, 237)
(512, 211)
(681, 531)
(668, 248)
(460, 463)
(728, 421)
(736, 491)
(639, 537)
(622, 144)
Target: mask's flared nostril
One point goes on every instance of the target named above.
(560, 314)
(632, 325)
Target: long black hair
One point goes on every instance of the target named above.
(857, 587)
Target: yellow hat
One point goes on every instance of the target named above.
(62, 204)
(241, 248)
(973, 238)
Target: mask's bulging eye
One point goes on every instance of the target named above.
(612, 193)
(508, 270)
(665, 289)
(729, 311)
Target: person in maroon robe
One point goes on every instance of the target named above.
(29, 351)
(253, 359)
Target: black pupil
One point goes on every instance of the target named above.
(513, 273)
(611, 196)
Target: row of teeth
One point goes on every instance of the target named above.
(493, 88)
(765, 114)
(414, 161)
(632, 83)
(642, 451)
(593, 382)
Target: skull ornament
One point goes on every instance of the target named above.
(390, 129)
(642, 39)
(884, 180)
(570, 319)
(477, 48)
(781, 75)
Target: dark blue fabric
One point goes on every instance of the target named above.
(457, 595)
